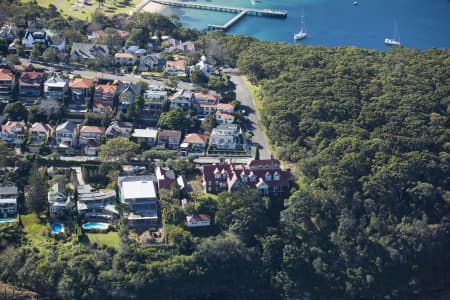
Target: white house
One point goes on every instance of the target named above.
(8, 200)
(57, 200)
(200, 220)
(125, 59)
(225, 136)
(138, 193)
(55, 87)
(13, 132)
(67, 135)
(33, 36)
(147, 135)
(182, 98)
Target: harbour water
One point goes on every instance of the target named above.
(420, 24)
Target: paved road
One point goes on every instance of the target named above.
(248, 103)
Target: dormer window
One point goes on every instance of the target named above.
(268, 177)
(244, 177)
(252, 177)
(276, 176)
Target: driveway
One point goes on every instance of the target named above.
(253, 123)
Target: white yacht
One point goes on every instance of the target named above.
(302, 33)
(395, 41)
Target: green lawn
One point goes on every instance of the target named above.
(67, 7)
(110, 239)
(36, 230)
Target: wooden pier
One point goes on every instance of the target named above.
(241, 12)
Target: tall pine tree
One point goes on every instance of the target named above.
(36, 199)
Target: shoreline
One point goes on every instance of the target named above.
(153, 7)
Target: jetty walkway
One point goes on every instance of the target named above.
(241, 12)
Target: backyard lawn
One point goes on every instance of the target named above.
(36, 231)
(110, 239)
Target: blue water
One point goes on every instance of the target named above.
(95, 225)
(6, 220)
(421, 24)
(57, 228)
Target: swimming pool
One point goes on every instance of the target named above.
(57, 228)
(7, 220)
(95, 225)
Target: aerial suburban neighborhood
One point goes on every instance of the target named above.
(118, 128)
(211, 149)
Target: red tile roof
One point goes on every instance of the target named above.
(82, 83)
(195, 138)
(172, 134)
(208, 96)
(179, 64)
(92, 129)
(33, 76)
(125, 55)
(225, 106)
(198, 218)
(40, 127)
(106, 88)
(6, 74)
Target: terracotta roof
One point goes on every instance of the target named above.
(106, 88)
(22, 68)
(225, 106)
(92, 129)
(207, 96)
(225, 115)
(195, 138)
(82, 83)
(11, 125)
(125, 55)
(6, 74)
(39, 127)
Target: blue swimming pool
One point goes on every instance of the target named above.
(6, 220)
(57, 228)
(95, 225)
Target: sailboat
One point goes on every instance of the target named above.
(302, 33)
(395, 41)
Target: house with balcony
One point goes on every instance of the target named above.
(127, 92)
(30, 86)
(194, 144)
(59, 203)
(56, 87)
(80, 92)
(125, 59)
(40, 133)
(224, 118)
(8, 200)
(91, 138)
(169, 139)
(227, 108)
(94, 205)
(206, 98)
(7, 84)
(119, 129)
(104, 98)
(265, 176)
(34, 36)
(204, 109)
(147, 136)
(155, 104)
(14, 132)
(182, 99)
(66, 135)
(138, 193)
(226, 137)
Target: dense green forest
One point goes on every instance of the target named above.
(370, 134)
